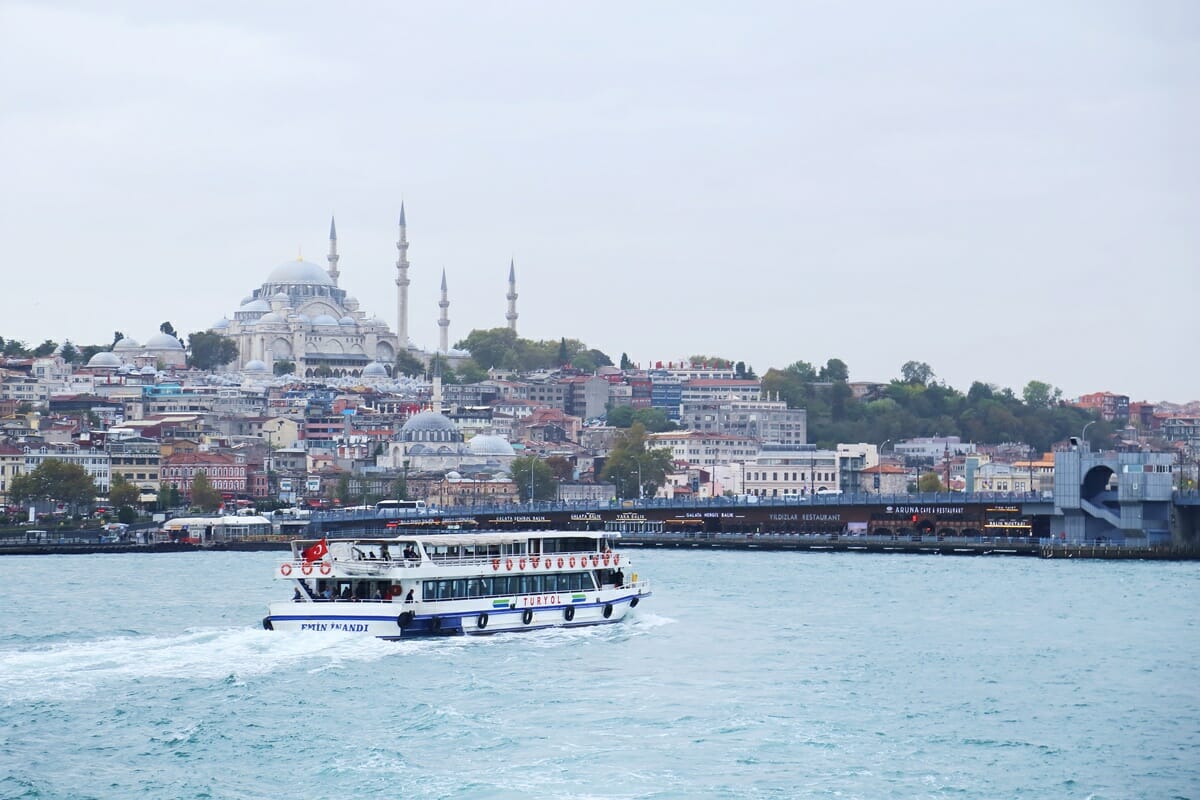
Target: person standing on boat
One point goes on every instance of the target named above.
(408, 598)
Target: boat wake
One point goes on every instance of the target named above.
(77, 668)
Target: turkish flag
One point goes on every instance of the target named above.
(315, 552)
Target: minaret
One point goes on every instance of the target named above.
(402, 284)
(444, 322)
(511, 316)
(333, 254)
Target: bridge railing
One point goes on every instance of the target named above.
(741, 501)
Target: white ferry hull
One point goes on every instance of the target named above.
(391, 620)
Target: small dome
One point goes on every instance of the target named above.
(281, 296)
(452, 475)
(247, 300)
(375, 322)
(324, 319)
(163, 341)
(220, 324)
(126, 369)
(255, 366)
(351, 302)
(105, 360)
(148, 370)
(256, 306)
(347, 321)
(375, 370)
(299, 271)
(489, 445)
(271, 318)
(125, 345)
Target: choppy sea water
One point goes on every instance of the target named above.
(747, 675)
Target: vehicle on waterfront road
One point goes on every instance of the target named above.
(455, 584)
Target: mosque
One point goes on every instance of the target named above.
(300, 315)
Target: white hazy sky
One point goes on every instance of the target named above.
(1005, 190)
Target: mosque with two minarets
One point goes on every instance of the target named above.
(300, 315)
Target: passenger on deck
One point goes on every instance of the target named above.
(346, 593)
(384, 554)
(410, 553)
(371, 555)
(327, 594)
(378, 594)
(296, 596)
(408, 598)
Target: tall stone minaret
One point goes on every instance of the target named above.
(333, 253)
(402, 284)
(444, 322)
(511, 316)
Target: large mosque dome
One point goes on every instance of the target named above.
(430, 426)
(299, 271)
(107, 360)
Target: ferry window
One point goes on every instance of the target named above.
(526, 584)
(558, 583)
(460, 588)
(538, 584)
(475, 588)
(428, 592)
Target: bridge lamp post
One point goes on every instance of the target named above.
(1083, 435)
(879, 466)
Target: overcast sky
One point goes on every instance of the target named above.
(1006, 191)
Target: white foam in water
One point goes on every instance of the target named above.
(79, 668)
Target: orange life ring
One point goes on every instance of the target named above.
(325, 568)
(306, 569)
(285, 569)
(508, 564)
(572, 562)
(606, 557)
(595, 561)
(522, 563)
(617, 558)
(495, 563)
(548, 564)
(535, 561)
(560, 562)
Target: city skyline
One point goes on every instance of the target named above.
(1003, 194)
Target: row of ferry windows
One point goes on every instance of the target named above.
(565, 545)
(501, 585)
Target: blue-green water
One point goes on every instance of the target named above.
(747, 675)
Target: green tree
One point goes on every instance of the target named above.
(123, 493)
(204, 495)
(564, 357)
(1040, 395)
(654, 420)
(15, 348)
(560, 468)
(620, 416)
(916, 372)
(399, 488)
(408, 364)
(117, 336)
(284, 367)
(342, 492)
(496, 347)
(835, 370)
(168, 329)
(210, 350)
(530, 472)
(633, 469)
(44, 349)
(60, 481)
(626, 364)
(70, 353)
(168, 496)
(930, 482)
(470, 372)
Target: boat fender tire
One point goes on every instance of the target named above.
(607, 610)
(267, 626)
(633, 603)
(569, 613)
(436, 624)
(405, 619)
(527, 617)
(482, 621)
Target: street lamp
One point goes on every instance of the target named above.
(879, 465)
(1083, 435)
(639, 463)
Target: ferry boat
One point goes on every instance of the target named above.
(455, 584)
